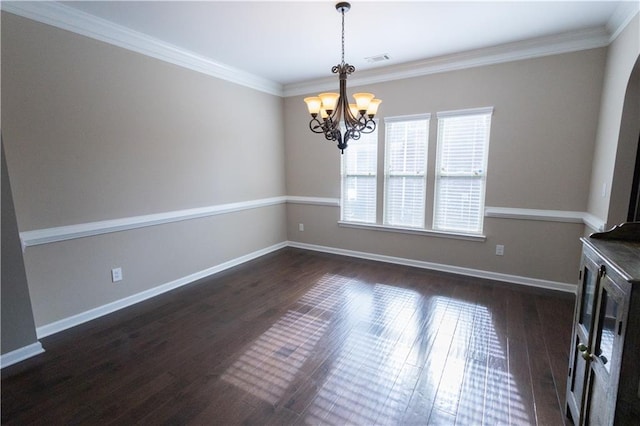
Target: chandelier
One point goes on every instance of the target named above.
(334, 109)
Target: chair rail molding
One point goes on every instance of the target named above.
(546, 216)
(62, 233)
(70, 232)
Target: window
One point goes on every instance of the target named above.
(461, 165)
(405, 170)
(457, 164)
(358, 176)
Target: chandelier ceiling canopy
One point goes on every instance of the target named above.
(331, 113)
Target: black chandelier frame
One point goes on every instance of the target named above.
(355, 124)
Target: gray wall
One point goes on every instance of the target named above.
(626, 150)
(94, 132)
(18, 329)
(616, 140)
(540, 155)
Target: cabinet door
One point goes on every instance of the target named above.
(584, 321)
(604, 359)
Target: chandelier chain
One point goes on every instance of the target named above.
(342, 36)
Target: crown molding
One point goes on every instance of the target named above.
(70, 19)
(622, 16)
(533, 48)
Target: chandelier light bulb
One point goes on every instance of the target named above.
(313, 105)
(373, 107)
(329, 101)
(362, 100)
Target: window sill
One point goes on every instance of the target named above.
(425, 232)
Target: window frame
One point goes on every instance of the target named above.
(388, 175)
(344, 175)
(479, 175)
(431, 159)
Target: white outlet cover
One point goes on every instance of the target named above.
(116, 274)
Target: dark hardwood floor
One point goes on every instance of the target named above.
(297, 337)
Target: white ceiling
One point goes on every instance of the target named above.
(289, 42)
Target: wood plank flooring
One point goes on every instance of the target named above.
(298, 337)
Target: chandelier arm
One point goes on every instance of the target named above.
(354, 134)
(337, 115)
(350, 122)
(327, 129)
(369, 126)
(315, 125)
(349, 119)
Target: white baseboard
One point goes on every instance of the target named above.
(21, 354)
(72, 321)
(497, 276)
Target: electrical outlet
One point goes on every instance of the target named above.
(499, 250)
(116, 275)
(301, 227)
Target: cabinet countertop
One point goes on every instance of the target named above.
(624, 256)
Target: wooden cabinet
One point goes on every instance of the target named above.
(603, 387)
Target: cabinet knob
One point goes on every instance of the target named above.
(582, 348)
(602, 271)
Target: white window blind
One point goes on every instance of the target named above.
(405, 170)
(358, 176)
(461, 170)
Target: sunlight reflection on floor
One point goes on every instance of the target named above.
(463, 365)
(267, 368)
(361, 383)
